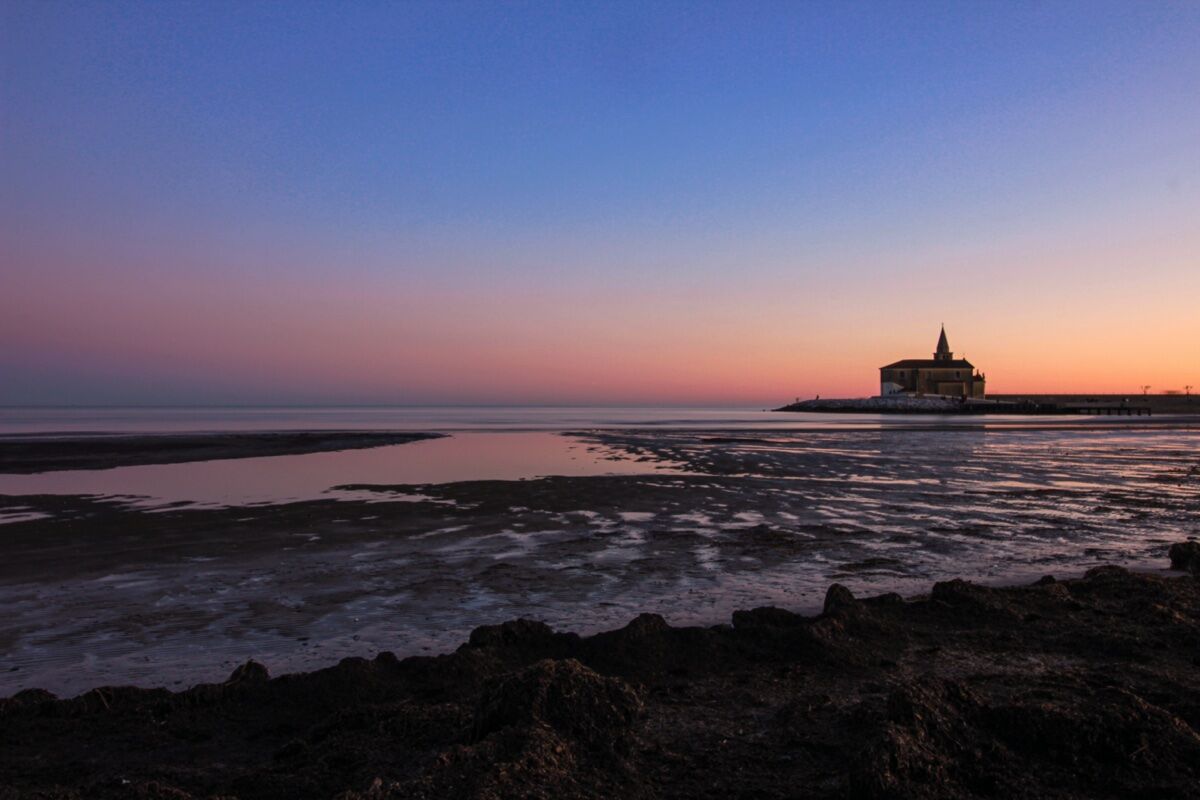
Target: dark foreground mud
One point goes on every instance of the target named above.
(22, 455)
(1084, 688)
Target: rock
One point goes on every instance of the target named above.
(1185, 556)
(647, 626)
(250, 672)
(33, 696)
(387, 659)
(139, 790)
(920, 749)
(1106, 572)
(574, 701)
(1110, 739)
(974, 601)
(555, 729)
(838, 598)
(956, 592)
(24, 700)
(766, 617)
(512, 633)
(648, 649)
(942, 740)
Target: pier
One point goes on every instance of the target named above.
(934, 404)
(1120, 409)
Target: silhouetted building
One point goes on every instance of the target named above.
(943, 374)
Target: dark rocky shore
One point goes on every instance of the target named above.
(29, 454)
(1079, 688)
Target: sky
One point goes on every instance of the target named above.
(670, 203)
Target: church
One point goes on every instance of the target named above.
(941, 375)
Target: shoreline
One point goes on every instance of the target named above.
(1047, 688)
(27, 454)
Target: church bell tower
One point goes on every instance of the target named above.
(943, 348)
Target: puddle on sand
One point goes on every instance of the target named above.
(466, 456)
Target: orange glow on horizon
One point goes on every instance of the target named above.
(1045, 327)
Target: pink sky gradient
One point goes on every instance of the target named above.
(484, 203)
(1034, 318)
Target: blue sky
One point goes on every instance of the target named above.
(538, 151)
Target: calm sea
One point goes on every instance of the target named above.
(50, 420)
(24, 420)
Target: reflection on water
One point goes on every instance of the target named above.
(274, 479)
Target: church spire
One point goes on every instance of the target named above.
(943, 348)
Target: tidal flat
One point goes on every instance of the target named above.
(692, 525)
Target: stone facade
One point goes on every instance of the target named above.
(941, 375)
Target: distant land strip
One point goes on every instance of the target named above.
(29, 454)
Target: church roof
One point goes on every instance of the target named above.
(930, 363)
(943, 346)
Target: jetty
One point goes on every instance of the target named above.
(1121, 409)
(940, 404)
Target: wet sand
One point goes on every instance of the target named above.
(25, 454)
(1078, 688)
